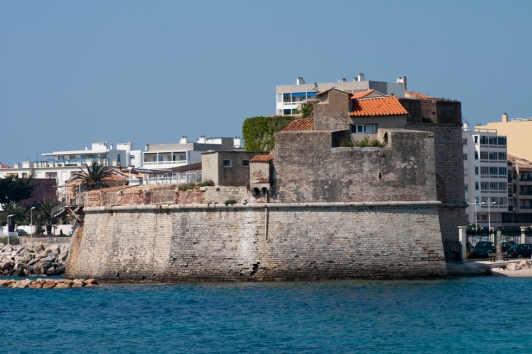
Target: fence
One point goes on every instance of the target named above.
(451, 250)
(158, 197)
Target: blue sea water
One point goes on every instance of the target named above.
(464, 315)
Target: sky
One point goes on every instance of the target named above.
(77, 72)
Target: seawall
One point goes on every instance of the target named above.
(258, 242)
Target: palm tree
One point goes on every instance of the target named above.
(93, 177)
(45, 209)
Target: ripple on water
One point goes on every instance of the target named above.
(457, 315)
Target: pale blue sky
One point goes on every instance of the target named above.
(74, 72)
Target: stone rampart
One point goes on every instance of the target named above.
(258, 242)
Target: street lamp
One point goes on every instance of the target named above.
(9, 216)
(475, 204)
(489, 214)
(31, 224)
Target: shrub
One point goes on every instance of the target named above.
(366, 143)
(258, 132)
(186, 186)
(230, 202)
(207, 183)
(347, 144)
(426, 120)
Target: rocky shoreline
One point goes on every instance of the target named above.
(32, 260)
(48, 283)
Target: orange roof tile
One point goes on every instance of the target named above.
(6, 166)
(381, 106)
(300, 124)
(324, 91)
(362, 94)
(417, 95)
(262, 158)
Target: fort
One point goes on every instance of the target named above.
(316, 206)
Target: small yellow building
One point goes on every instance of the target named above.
(518, 131)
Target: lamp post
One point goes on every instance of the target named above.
(9, 216)
(475, 204)
(489, 213)
(31, 224)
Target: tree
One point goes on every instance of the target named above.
(18, 212)
(45, 210)
(13, 190)
(93, 177)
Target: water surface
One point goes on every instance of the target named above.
(466, 315)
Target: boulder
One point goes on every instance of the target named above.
(60, 270)
(39, 248)
(37, 284)
(63, 257)
(7, 265)
(90, 282)
(25, 283)
(5, 283)
(48, 284)
(50, 271)
(64, 285)
(523, 265)
(46, 265)
(512, 267)
(33, 261)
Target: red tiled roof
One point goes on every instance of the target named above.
(417, 95)
(262, 158)
(324, 91)
(381, 106)
(362, 94)
(300, 124)
(6, 166)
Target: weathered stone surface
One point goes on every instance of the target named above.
(512, 267)
(202, 243)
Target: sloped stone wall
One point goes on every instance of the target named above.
(257, 242)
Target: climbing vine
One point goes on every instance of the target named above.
(258, 132)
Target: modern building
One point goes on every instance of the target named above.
(289, 97)
(519, 193)
(485, 176)
(518, 132)
(62, 165)
(167, 156)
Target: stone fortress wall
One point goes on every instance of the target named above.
(257, 242)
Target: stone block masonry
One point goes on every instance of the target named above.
(258, 242)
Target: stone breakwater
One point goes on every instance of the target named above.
(20, 261)
(48, 283)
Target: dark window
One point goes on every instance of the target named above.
(227, 163)
(245, 163)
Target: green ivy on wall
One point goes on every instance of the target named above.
(258, 132)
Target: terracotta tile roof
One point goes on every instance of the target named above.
(417, 95)
(262, 158)
(362, 94)
(381, 106)
(324, 91)
(300, 124)
(6, 166)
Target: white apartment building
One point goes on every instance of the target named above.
(485, 175)
(289, 97)
(167, 156)
(61, 165)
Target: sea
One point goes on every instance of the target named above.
(460, 315)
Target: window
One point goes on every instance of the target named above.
(476, 186)
(476, 155)
(465, 156)
(492, 140)
(502, 156)
(503, 186)
(502, 140)
(364, 129)
(483, 140)
(502, 171)
(484, 170)
(24, 175)
(118, 158)
(466, 187)
(245, 163)
(72, 157)
(476, 139)
(484, 186)
(484, 155)
(494, 170)
(227, 163)
(494, 186)
(476, 170)
(464, 141)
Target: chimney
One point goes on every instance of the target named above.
(201, 139)
(505, 118)
(342, 79)
(147, 147)
(183, 140)
(402, 80)
(361, 77)
(300, 81)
